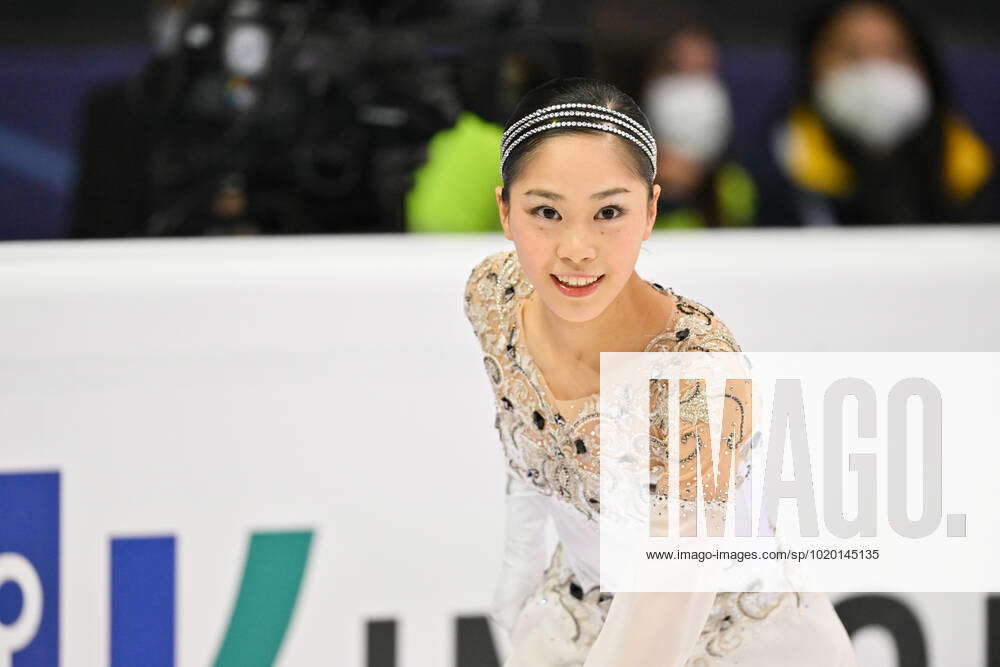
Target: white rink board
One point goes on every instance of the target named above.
(207, 388)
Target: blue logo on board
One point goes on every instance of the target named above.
(29, 569)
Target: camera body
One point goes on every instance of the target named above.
(299, 116)
(291, 117)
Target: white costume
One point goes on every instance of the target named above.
(552, 605)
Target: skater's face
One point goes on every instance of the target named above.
(578, 210)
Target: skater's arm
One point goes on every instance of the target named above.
(524, 557)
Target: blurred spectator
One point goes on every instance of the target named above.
(454, 190)
(870, 136)
(668, 59)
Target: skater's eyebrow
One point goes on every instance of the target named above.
(607, 193)
(544, 193)
(597, 195)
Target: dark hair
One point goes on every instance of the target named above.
(585, 91)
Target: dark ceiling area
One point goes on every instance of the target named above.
(972, 22)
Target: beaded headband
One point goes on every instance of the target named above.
(629, 128)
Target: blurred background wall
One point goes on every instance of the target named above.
(53, 54)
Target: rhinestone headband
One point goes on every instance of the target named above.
(627, 120)
(630, 129)
(651, 145)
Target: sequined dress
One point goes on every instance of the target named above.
(551, 604)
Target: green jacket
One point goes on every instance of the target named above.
(454, 190)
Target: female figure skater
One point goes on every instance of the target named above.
(578, 198)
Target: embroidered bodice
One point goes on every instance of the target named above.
(560, 454)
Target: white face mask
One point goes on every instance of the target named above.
(690, 114)
(878, 102)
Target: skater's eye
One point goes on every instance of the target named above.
(546, 212)
(610, 212)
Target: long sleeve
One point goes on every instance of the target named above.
(650, 629)
(657, 628)
(524, 557)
